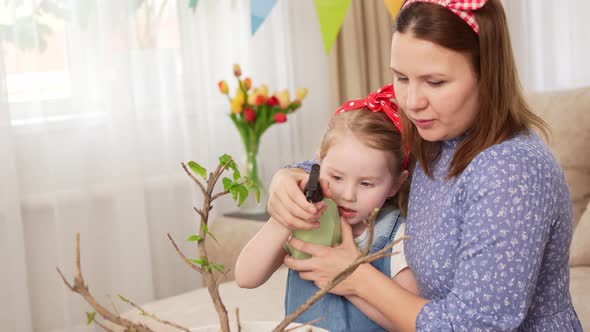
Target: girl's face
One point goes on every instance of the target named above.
(436, 88)
(359, 178)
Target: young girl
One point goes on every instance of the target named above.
(369, 128)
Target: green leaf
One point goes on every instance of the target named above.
(231, 164)
(205, 228)
(243, 193)
(234, 192)
(198, 169)
(194, 238)
(90, 317)
(237, 176)
(218, 267)
(256, 192)
(224, 159)
(227, 183)
(202, 262)
(214, 238)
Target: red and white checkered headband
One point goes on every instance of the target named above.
(463, 8)
(379, 101)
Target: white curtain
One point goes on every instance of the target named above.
(94, 127)
(551, 41)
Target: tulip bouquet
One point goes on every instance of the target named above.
(253, 111)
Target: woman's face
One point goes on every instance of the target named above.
(436, 88)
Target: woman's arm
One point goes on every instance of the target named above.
(404, 278)
(262, 255)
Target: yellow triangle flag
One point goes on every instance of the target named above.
(331, 14)
(393, 6)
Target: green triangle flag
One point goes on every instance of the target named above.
(331, 14)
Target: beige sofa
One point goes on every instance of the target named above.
(568, 115)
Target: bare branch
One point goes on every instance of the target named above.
(311, 322)
(220, 279)
(199, 212)
(80, 287)
(184, 258)
(195, 180)
(239, 323)
(103, 326)
(64, 279)
(152, 316)
(219, 194)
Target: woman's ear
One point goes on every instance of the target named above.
(402, 177)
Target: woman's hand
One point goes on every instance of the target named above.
(287, 203)
(327, 262)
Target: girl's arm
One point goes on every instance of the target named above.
(404, 278)
(262, 255)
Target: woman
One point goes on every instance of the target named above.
(490, 217)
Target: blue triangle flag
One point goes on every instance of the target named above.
(259, 10)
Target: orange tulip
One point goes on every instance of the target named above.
(223, 88)
(247, 83)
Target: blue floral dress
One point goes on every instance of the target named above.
(490, 248)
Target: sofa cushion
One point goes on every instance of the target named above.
(580, 252)
(580, 290)
(568, 115)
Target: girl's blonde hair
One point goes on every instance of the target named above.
(503, 111)
(376, 131)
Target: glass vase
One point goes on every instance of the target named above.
(253, 170)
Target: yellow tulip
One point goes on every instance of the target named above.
(236, 106)
(263, 90)
(300, 94)
(284, 98)
(240, 96)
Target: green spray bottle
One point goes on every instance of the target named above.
(328, 234)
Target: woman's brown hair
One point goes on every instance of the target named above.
(376, 131)
(503, 111)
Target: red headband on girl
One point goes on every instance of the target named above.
(463, 8)
(379, 101)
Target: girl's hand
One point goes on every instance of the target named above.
(327, 262)
(287, 203)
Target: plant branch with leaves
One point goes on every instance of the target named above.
(239, 187)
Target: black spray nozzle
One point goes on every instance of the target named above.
(313, 191)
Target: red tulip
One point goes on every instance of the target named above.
(280, 117)
(237, 70)
(249, 114)
(272, 101)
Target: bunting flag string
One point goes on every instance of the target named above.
(331, 14)
(259, 10)
(393, 6)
